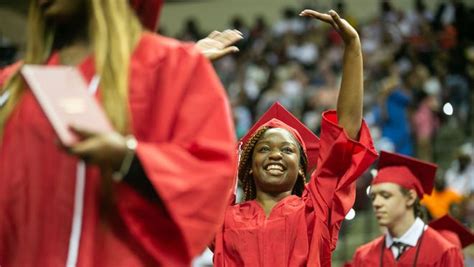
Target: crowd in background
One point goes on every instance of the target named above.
(419, 75)
(419, 79)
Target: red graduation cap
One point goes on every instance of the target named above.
(148, 11)
(278, 117)
(407, 172)
(453, 231)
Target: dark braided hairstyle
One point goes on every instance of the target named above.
(245, 167)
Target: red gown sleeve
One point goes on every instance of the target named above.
(341, 161)
(189, 173)
(451, 257)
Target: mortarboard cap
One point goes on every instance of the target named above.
(148, 11)
(453, 231)
(278, 117)
(407, 172)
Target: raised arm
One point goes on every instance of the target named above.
(349, 103)
(345, 148)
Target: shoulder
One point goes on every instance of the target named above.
(241, 214)
(436, 241)
(153, 48)
(446, 251)
(369, 249)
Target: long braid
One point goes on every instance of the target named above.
(245, 166)
(301, 180)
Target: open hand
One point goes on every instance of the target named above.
(345, 30)
(218, 44)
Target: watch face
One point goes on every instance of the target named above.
(131, 143)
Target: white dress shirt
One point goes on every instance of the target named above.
(409, 238)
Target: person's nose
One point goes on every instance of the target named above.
(275, 154)
(376, 202)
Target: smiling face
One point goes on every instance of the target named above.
(391, 206)
(276, 161)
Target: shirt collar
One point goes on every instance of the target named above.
(410, 237)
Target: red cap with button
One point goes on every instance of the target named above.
(408, 172)
(279, 117)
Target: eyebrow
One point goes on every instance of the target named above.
(380, 192)
(284, 143)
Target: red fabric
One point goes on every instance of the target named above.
(299, 231)
(435, 251)
(399, 175)
(181, 119)
(453, 231)
(452, 237)
(148, 11)
(407, 172)
(275, 123)
(282, 118)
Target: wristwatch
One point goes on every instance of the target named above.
(131, 145)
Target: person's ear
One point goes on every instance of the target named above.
(411, 197)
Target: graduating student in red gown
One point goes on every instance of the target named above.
(285, 221)
(396, 190)
(56, 211)
(453, 231)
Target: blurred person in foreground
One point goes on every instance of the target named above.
(140, 196)
(396, 191)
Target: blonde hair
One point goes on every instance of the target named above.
(114, 31)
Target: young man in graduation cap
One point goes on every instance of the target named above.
(395, 192)
(453, 231)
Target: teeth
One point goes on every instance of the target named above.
(274, 167)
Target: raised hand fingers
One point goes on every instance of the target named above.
(328, 18)
(228, 50)
(228, 37)
(213, 34)
(335, 17)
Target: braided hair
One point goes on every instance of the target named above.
(245, 166)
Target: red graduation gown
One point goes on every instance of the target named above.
(299, 231)
(434, 251)
(186, 145)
